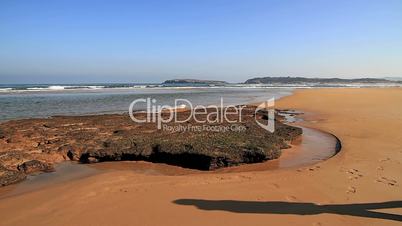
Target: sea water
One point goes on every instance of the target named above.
(38, 101)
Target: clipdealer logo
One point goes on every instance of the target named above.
(200, 114)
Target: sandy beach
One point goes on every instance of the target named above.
(361, 185)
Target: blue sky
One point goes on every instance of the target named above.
(150, 41)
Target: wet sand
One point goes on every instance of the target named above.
(64, 172)
(344, 190)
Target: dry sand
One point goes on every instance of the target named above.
(362, 185)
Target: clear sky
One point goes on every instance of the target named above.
(55, 41)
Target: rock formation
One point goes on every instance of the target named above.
(33, 145)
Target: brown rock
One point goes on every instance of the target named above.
(34, 166)
(8, 177)
(114, 137)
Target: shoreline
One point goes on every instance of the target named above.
(349, 188)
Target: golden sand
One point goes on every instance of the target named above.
(362, 185)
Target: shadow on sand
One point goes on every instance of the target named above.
(360, 209)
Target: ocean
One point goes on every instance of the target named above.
(19, 101)
(38, 101)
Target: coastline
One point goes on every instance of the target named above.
(367, 170)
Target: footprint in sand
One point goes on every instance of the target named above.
(388, 181)
(351, 190)
(354, 174)
(291, 198)
(384, 159)
(353, 177)
(314, 168)
(276, 185)
(260, 198)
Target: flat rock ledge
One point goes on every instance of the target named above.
(33, 145)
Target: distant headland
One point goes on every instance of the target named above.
(284, 80)
(293, 80)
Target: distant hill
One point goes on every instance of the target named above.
(194, 81)
(394, 78)
(293, 80)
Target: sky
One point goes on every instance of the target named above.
(47, 41)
